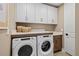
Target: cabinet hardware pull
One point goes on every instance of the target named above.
(41, 19)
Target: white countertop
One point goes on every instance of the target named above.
(42, 32)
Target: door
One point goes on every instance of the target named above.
(69, 28)
(25, 50)
(45, 46)
(52, 15)
(41, 13)
(30, 12)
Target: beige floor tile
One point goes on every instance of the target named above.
(61, 53)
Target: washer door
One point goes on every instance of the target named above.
(25, 50)
(45, 46)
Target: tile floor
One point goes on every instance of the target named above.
(61, 53)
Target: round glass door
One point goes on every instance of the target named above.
(25, 50)
(45, 46)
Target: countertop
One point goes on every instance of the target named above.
(57, 33)
(42, 32)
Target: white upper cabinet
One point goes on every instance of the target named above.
(30, 12)
(36, 13)
(41, 13)
(3, 12)
(52, 15)
(20, 14)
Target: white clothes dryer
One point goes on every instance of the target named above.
(24, 46)
(45, 45)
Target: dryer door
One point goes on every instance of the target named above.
(25, 50)
(45, 46)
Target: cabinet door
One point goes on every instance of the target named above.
(41, 13)
(30, 12)
(3, 11)
(20, 13)
(52, 15)
(57, 43)
(69, 44)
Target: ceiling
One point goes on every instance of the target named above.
(54, 4)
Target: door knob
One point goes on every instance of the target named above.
(66, 34)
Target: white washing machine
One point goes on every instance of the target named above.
(24, 46)
(45, 45)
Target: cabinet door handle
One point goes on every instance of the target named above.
(52, 20)
(25, 17)
(41, 19)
